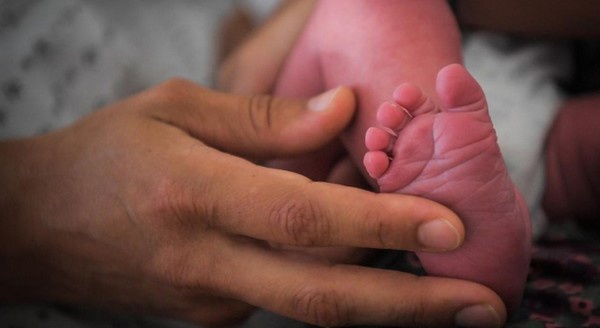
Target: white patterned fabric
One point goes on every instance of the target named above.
(61, 59)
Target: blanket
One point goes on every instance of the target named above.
(563, 287)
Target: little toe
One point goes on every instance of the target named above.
(377, 139)
(458, 91)
(376, 163)
(413, 99)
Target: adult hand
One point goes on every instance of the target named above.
(253, 68)
(141, 207)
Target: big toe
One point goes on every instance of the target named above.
(458, 90)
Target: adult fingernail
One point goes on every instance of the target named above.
(478, 316)
(438, 235)
(322, 101)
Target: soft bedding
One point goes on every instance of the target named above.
(563, 287)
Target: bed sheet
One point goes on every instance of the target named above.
(563, 287)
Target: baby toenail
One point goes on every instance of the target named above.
(438, 235)
(407, 112)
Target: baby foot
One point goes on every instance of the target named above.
(450, 155)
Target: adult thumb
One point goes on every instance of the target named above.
(263, 126)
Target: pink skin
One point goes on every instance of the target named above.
(361, 45)
(449, 154)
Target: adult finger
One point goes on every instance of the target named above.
(284, 207)
(341, 295)
(258, 126)
(253, 68)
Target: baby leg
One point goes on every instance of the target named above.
(449, 154)
(371, 46)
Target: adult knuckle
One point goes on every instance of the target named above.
(419, 307)
(165, 200)
(320, 306)
(380, 231)
(175, 207)
(173, 91)
(152, 203)
(260, 112)
(418, 314)
(300, 222)
(177, 85)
